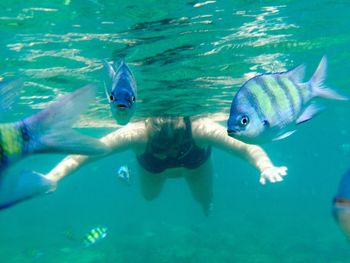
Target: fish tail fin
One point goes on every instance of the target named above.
(50, 129)
(29, 184)
(317, 83)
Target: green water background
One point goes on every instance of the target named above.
(189, 58)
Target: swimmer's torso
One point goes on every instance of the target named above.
(173, 152)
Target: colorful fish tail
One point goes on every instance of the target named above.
(14, 142)
(50, 129)
(317, 86)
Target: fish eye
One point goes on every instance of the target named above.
(111, 97)
(244, 120)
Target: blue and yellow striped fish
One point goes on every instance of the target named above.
(48, 131)
(268, 106)
(121, 93)
(94, 235)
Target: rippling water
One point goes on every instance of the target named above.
(189, 58)
(197, 52)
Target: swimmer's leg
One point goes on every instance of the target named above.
(200, 182)
(151, 184)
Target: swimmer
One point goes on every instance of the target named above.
(176, 147)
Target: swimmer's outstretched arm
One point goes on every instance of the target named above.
(122, 139)
(212, 133)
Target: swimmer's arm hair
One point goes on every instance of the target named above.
(212, 133)
(117, 141)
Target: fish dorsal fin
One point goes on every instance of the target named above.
(309, 113)
(121, 63)
(297, 74)
(109, 68)
(284, 135)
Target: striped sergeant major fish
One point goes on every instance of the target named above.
(268, 107)
(94, 235)
(121, 93)
(48, 131)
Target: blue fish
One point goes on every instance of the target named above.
(121, 93)
(341, 204)
(268, 107)
(124, 174)
(48, 131)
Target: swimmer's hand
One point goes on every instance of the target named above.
(273, 174)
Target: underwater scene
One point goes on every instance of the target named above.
(224, 127)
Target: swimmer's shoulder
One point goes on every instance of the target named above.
(204, 125)
(134, 134)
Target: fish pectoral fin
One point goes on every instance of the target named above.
(309, 113)
(284, 135)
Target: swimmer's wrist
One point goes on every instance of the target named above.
(264, 165)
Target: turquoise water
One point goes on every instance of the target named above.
(189, 58)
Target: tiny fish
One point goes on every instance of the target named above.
(48, 131)
(268, 107)
(94, 235)
(124, 174)
(33, 253)
(68, 233)
(121, 94)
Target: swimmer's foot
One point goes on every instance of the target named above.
(207, 209)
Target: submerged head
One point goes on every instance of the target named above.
(166, 135)
(244, 122)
